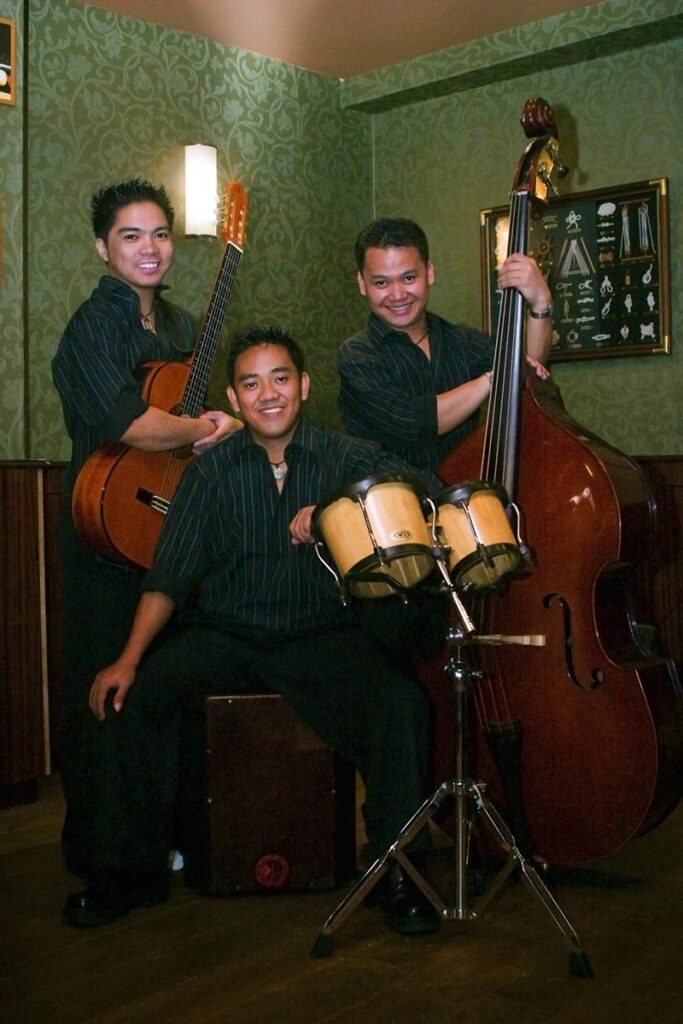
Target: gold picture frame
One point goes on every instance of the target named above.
(605, 254)
(8, 62)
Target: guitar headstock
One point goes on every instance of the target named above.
(234, 207)
(540, 161)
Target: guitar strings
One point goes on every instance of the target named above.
(203, 362)
(200, 370)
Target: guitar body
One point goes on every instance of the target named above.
(121, 494)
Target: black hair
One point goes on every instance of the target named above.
(252, 336)
(390, 231)
(107, 202)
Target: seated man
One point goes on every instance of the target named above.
(267, 613)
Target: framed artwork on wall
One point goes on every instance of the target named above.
(605, 254)
(8, 62)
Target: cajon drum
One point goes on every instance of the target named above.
(281, 805)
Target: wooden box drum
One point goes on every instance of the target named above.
(282, 806)
(475, 528)
(376, 527)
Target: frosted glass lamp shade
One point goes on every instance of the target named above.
(201, 190)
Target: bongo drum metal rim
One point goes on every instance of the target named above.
(385, 556)
(357, 491)
(463, 491)
(477, 559)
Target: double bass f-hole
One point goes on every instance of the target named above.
(597, 676)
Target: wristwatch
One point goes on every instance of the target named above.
(543, 315)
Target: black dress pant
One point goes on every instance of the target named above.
(99, 602)
(337, 679)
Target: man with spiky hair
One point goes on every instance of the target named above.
(125, 322)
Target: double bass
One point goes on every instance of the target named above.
(580, 740)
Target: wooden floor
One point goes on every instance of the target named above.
(245, 960)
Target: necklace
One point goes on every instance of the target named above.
(148, 318)
(277, 472)
(422, 338)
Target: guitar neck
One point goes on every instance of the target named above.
(209, 336)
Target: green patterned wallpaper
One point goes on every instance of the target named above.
(12, 356)
(111, 97)
(618, 124)
(561, 40)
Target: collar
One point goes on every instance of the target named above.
(118, 289)
(301, 438)
(382, 333)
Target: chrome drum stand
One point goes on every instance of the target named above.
(471, 805)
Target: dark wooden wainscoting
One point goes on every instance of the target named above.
(660, 577)
(30, 617)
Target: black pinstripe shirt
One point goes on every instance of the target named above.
(228, 527)
(94, 367)
(389, 387)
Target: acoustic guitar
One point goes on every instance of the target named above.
(122, 494)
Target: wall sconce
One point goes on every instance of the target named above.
(201, 190)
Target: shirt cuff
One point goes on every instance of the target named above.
(426, 420)
(161, 582)
(129, 406)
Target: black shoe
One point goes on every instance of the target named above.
(113, 897)
(406, 909)
(90, 908)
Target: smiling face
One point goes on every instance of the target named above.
(139, 248)
(396, 283)
(268, 391)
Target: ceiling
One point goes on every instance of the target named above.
(341, 38)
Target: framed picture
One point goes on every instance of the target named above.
(605, 255)
(8, 62)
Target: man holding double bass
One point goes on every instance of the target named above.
(411, 380)
(126, 321)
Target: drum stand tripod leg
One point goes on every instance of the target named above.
(470, 803)
(323, 945)
(578, 961)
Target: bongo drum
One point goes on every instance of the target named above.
(372, 529)
(482, 549)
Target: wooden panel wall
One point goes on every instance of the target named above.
(29, 621)
(662, 576)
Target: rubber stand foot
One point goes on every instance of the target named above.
(580, 965)
(322, 947)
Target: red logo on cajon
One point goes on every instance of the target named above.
(271, 871)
